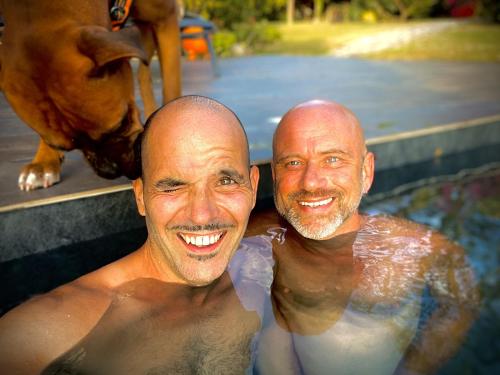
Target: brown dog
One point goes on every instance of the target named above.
(68, 76)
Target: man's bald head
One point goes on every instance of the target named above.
(314, 113)
(163, 120)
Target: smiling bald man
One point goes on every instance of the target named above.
(171, 306)
(349, 289)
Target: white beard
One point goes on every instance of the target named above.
(321, 232)
(325, 227)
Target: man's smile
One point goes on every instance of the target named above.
(317, 203)
(202, 242)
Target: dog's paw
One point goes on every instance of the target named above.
(34, 176)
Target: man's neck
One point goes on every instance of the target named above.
(153, 266)
(352, 224)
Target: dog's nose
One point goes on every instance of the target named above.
(103, 166)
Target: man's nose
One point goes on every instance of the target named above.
(202, 207)
(313, 178)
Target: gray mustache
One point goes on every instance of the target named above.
(200, 228)
(302, 194)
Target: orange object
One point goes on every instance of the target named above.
(194, 46)
(119, 13)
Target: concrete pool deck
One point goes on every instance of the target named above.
(389, 97)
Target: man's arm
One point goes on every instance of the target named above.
(40, 330)
(451, 284)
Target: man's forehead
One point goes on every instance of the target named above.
(206, 120)
(195, 131)
(316, 133)
(308, 127)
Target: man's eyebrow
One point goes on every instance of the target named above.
(169, 182)
(235, 175)
(334, 151)
(325, 152)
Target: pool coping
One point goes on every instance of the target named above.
(369, 142)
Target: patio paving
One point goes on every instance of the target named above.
(388, 97)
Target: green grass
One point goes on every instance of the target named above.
(317, 38)
(468, 42)
(465, 42)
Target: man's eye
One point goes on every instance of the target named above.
(227, 181)
(332, 159)
(293, 163)
(169, 190)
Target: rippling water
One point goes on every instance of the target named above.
(396, 295)
(466, 210)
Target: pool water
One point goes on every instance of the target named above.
(466, 208)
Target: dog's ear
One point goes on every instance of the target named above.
(104, 46)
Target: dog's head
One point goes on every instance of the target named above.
(110, 150)
(75, 88)
(113, 155)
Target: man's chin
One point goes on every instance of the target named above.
(318, 231)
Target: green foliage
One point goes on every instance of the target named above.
(404, 9)
(227, 13)
(340, 12)
(356, 10)
(489, 10)
(248, 38)
(256, 35)
(224, 42)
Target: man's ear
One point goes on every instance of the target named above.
(368, 171)
(254, 181)
(138, 187)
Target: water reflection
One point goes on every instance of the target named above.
(394, 296)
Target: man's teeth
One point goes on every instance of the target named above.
(201, 240)
(316, 204)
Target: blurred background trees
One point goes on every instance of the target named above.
(247, 25)
(228, 13)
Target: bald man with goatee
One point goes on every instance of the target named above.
(348, 290)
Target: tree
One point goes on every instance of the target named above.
(404, 9)
(290, 11)
(318, 9)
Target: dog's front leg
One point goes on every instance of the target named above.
(144, 72)
(44, 170)
(169, 49)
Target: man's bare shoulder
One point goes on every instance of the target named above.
(39, 330)
(407, 234)
(393, 225)
(400, 253)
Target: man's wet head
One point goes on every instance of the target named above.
(197, 188)
(321, 169)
